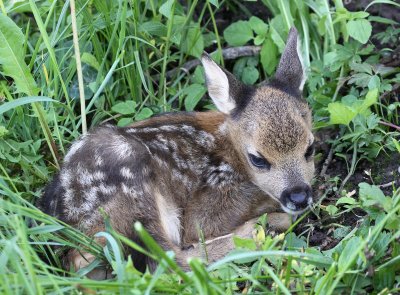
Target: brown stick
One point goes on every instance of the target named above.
(227, 54)
(390, 125)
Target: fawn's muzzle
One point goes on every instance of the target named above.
(297, 198)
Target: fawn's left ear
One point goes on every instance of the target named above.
(218, 85)
(290, 72)
(227, 92)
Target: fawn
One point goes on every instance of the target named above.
(217, 171)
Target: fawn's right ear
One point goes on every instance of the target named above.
(225, 90)
(290, 71)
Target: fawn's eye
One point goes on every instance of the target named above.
(310, 151)
(259, 162)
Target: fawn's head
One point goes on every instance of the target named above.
(270, 127)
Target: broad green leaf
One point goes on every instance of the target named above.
(90, 60)
(374, 82)
(193, 44)
(166, 8)
(244, 243)
(193, 95)
(238, 33)
(258, 26)
(360, 30)
(277, 39)
(258, 40)
(370, 99)
(124, 122)
(372, 195)
(331, 209)
(144, 114)
(12, 57)
(155, 28)
(214, 2)
(346, 200)
(3, 131)
(125, 108)
(349, 249)
(269, 56)
(340, 113)
(250, 75)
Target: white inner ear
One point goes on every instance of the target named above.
(300, 55)
(218, 86)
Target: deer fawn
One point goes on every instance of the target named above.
(217, 171)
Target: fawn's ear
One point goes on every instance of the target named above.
(218, 85)
(290, 72)
(227, 92)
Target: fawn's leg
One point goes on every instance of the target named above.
(78, 259)
(215, 249)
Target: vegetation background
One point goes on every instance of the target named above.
(137, 58)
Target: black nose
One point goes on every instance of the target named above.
(297, 198)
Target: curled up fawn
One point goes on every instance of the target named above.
(216, 171)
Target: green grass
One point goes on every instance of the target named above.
(126, 49)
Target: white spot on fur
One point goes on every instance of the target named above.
(77, 145)
(86, 177)
(170, 218)
(98, 158)
(107, 190)
(121, 147)
(90, 201)
(65, 177)
(128, 190)
(127, 173)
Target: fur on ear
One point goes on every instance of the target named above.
(217, 85)
(290, 73)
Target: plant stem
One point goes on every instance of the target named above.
(78, 66)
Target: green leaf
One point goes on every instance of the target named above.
(238, 33)
(21, 101)
(372, 195)
(193, 95)
(166, 8)
(340, 113)
(244, 243)
(144, 114)
(269, 56)
(193, 44)
(124, 122)
(370, 99)
(90, 60)
(258, 26)
(349, 249)
(346, 200)
(331, 209)
(214, 2)
(360, 30)
(125, 108)
(153, 28)
(12, 57)
(250, 75)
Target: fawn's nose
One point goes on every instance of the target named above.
(297, 198)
